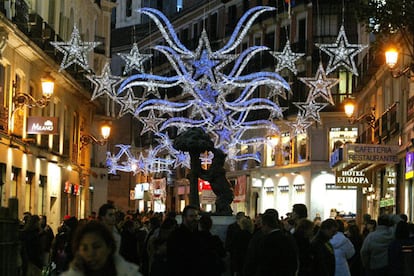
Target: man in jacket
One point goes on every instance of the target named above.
(374, 251)
(278, 253)
(322, 252)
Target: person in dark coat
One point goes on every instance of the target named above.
(278, 253)
(183, 246)
(251, 260)
(31, 246)
(322, 252)
(240, 244)
(157, 248)
(46, 239)
(303, 235)
(212, 249)
(396, 250)
(232, 230)
(355, 236)
(129, 243)
(62, 253)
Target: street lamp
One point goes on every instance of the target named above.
(350, 107)
(391, 59)
(89, 139)
(21, 100)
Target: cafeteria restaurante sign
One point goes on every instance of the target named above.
(367, 153)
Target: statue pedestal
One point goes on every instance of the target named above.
(220, 224)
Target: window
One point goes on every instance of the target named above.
(128, 8)
(327, 25)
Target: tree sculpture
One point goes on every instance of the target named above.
(195, 141)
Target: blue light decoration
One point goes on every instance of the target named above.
(222, 102)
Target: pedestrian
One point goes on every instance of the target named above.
(61, 253)
(31, 250)
(232, 229)
(303, 236)
(397, 248)
(157, 248)
(322, 252)
(240, 244)
(94, 248)
(211, 248)
(278, 253)
(251, 261)
(107, 216)
(129, 242)
(354, 235)
(299, 211)
(153, 231)
(343, 250)
(183, 246)
(46, 239)
(374, 251)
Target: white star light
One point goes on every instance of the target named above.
(287, 59)
(320, 85)
(74, 51)
(128, 103)
(311, 110)
(134, 60)
(151, 122)
(105, 83)
(341, 53)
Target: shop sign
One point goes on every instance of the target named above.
(409, 165)
(336, 157)
(140, 189)
(240, 189)
(369, 153)
(42, 125)
(391, 177)
(385, 202)
(352, 178)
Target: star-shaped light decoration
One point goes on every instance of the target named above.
(105, 83)
(341, 53)
(151, 89)
(311, 110)
(151, 122)
(320, 85)
(134, 60)
(75, 50)
(128, 102)
(299, 126)
(287, 59)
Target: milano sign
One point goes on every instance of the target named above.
(42, 125)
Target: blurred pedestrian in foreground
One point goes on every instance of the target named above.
(278, 253)
(183, 246)
(322, 252)
(343, 249)
(94, 249)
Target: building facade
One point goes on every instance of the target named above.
(48, 172)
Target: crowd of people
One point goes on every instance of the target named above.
(155, 244)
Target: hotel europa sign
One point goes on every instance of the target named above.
(42, 125)
(352, 178)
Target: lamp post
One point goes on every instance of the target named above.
(21, 99)
(89, 139)
(391, 59)
(350, 107)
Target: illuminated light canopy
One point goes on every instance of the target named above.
(222, 102)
